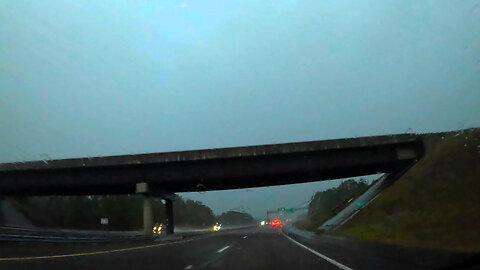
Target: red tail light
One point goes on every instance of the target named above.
(276, 223)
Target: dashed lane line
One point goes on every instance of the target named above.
(222, 249)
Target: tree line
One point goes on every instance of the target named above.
(326, 204)
(125, 212)
(234, 218)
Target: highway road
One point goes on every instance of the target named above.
(255, 248)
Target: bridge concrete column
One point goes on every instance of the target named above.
(147, 215)
(169, 214)
(149, 191)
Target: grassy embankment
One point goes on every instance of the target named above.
(436, 204)
(326, 204)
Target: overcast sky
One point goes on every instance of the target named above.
(88, 78)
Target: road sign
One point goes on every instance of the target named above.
(286, 210)
(104, 221)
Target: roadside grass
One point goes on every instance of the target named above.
(328, 203)
(436, 204)
(308, 225)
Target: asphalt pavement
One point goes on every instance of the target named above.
(243, 249)
(254, 248)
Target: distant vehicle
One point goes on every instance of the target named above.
(276, 223)
(157, 229)
(274, 215)
(217, 227)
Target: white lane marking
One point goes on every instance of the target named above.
(244, 237)
(188, 267)
(332, 261)
(222, 249)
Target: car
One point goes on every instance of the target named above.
(276, 223)
(217, 227)
(157, 229)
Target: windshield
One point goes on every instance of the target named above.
(239, 134)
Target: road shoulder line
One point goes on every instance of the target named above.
(332, 261)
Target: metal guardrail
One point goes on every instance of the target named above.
(55, 239)
(73, 239)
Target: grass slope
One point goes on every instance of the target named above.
(436, 204)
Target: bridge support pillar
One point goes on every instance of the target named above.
(148, 191)
(147, 215)
(169, 214)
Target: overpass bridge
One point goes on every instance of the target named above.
(163, 174)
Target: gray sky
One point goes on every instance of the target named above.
(89, 78)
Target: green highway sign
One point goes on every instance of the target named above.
(286, 210)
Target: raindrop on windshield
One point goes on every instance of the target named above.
(201, 188)
(45, 158)
(475, 8)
